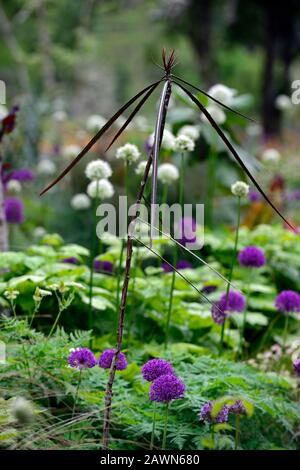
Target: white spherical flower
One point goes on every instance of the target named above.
(193, 132)
(270, 156)
(98, 169)
(240, 189)
(39, 232)
(140, 169)
(283, 102)
(70, 151)
(168, 140)
(80, 202)
(46, 167)
(3, 111)
(167, 173)
(22, 410)
(95, 122)
(101, 189)
(216, 113)
(222, 93)
(59, 116)
(14, 186)
(183, 143)
(128, 152)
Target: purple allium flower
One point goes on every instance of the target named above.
(254, 196)
(103, 266)
(106, 358)
(187, 231)
(296, 365)
(184, 264)
(155, 368)
(288, 301)
(209, 289)
(205, 414)
(238, 408)
(23, 174)
(14, 210)
(234, 303)
(252, 257)
(166, 388)
(71, 260)
(166, 267)
(82, 358)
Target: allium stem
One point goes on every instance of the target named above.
(243, 328)
(153, 426)
(285, 331)
(233, 260)
(92, 257)
(237, 431)
(165, 426)
(76, 394)
(211, 177)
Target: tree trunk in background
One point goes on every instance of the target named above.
(45, 47)
(3, 224)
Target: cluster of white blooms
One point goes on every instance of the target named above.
(168, 140)
(98, 169)
(128, 152)
(216, 113)
(70, 151)
(183, 143)
(13, 187)
(80, 202)
(270, 155)
(46, 167)
(193, 132)
(101, 189)
(222, 93)
(167, 173)
(283, 102)
(140, 169)
(95, 122)
(240, 189)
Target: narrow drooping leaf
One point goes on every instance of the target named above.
(233, 151)
(97, 137)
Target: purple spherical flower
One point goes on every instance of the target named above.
(103, 266)
(166, 388)
(208, 289)
(155, 368)
(106, 358)
(238, 408)
(71, 260)
(254, 196)
(288, 301)
(206, 410)
(296, 365)
(166, 267)
(82, 358)
(187, 231)
(184, 264)
(14, 210)
(233, 302)
(252, 257)
(23, 174)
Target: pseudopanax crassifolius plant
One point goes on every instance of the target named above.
(168, 80)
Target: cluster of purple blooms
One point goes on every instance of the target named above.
(228, 303)
(237, 408)
(103, 266)
(165, 385)
(296, 365)
(14, 210)
(181, 264)
(84, 358)
(288, 301)
(252, 257)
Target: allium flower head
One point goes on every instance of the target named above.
(240, 189)
(23, 174)
(183, 143)
(216, 113)
(104, 266)
(254, 196)
(283, 102)
(13, 186)
(70, 260)
(155, 368)
(98, 169)
(296, 365)
(192, 132)
(80, 202)
(95, 122)
(168, 141)
(234, 303)
(128, 152)
(140, 169)
(183, 264)
(101, 189)
(82, 358)
(206, 414)
(222, 93)
(238, 408)
(14, 210)
(270, 155)
(167, 173)
(288, 301)
(70, 151)
(166, 388)
(46, 167)
(106, 358)
(252, 257)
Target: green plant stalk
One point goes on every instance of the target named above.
(76, 394)
(242, 331)
(165, 426)
(233, 260)
(34, 313)
(153, 426)
(211, 177)
(119, 269)
(13, 308)
(93, 254)
(55, 322)
(285, 331)
(132, 309)
(266, 334)
(237, 431)
(212, 431)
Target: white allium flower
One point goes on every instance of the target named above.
(193, 132)
(70, 151)
(283, 102)
(39, 232)
(14, 186)
(101, 189)
(46, 167)
(270, 156)
(140, 169)
(98, 169)
(183, 143)
(128, 152)
(168, 140)
(167, 173)
(240, 189)
(59, 116)
(22, 410)
(3, 111)
(222, 93)
(216, 113)
(80, 202)
(95, 122)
